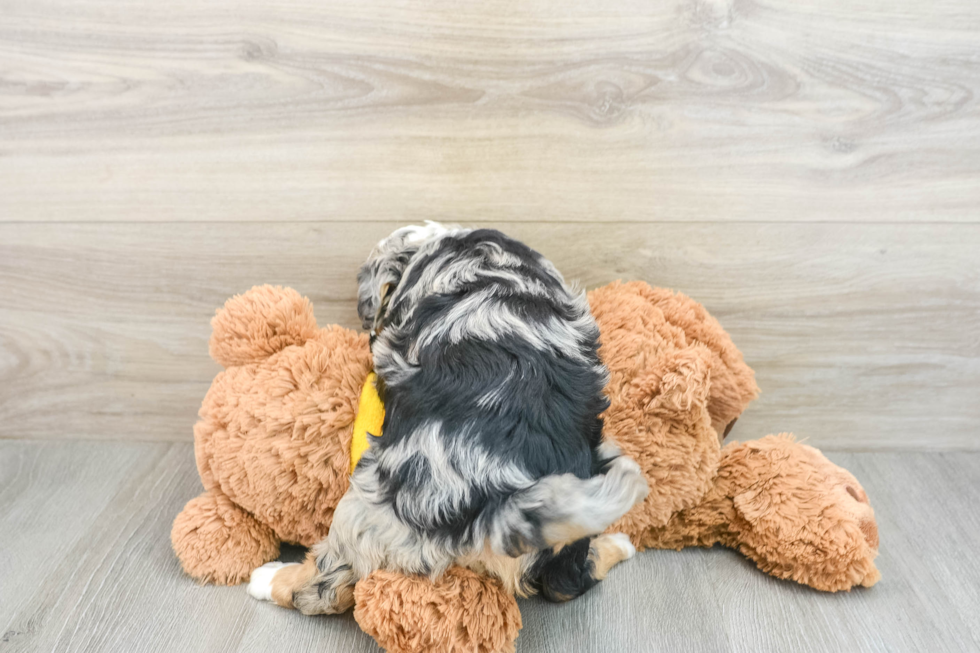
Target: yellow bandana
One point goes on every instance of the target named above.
(370, 418)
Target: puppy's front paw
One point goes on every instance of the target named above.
(260, 582)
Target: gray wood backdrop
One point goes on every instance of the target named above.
(809, 170)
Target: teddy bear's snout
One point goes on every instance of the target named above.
(859, 495)
(870, 531)
(866, 522)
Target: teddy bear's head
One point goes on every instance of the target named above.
(275, 427)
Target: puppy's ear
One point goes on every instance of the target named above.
(384, 298)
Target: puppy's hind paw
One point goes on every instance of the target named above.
(607, 551)
(623, 542)
(260, 582)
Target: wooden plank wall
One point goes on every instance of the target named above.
(808, 170)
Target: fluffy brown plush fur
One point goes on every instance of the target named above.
(273, 445)
(787, 508)
(464, 611)
(661, 393)
(273, 440)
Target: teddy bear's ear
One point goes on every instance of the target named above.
(683, 381)
(733, 384)
(754, 505)
(256, 324)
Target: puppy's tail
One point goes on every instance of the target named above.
(563, 508)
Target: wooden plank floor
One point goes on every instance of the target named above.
(86, 565)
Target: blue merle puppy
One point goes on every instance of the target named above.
(492, 455)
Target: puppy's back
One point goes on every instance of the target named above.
(493, 391)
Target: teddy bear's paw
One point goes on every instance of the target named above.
(260, 582)
(219, 542)
(460, 611)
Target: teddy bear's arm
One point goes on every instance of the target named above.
(219, 542)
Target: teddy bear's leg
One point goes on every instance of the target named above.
(790, 510)
(461, 611)
(219, 542)
(799, 516)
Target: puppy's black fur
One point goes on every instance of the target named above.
(492, 453)
(544, 419)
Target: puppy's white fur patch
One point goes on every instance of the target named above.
(260, 582)
(623, 542)
(416, 235)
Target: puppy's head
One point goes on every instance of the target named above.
(381, 273)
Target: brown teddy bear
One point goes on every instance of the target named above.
(273, 451)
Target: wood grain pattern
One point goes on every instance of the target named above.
(809, 170)
(111, 583)
(867, 341)
(685, 110)
(51, 494)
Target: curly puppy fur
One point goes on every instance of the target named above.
(492, 455)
